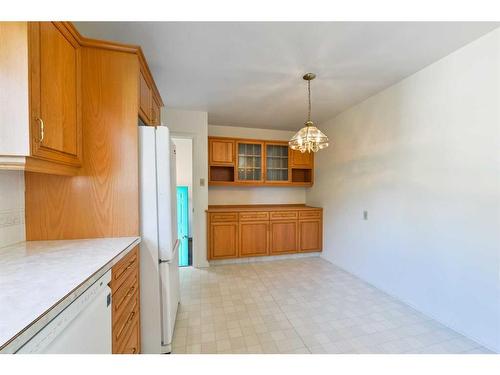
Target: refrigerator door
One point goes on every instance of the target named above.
(149, 268)
(164, 193)
(170, 290)
(173, 190)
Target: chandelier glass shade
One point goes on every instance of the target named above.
(309, 138)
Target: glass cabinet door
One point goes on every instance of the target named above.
(276, 163)
(249, 161)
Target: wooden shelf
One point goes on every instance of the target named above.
(221, 174)
(302, 175)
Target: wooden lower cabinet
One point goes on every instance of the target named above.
(125, 304)
(223, 240)
(254, 238)
(283, 237)
(263, 230)
(310, 235)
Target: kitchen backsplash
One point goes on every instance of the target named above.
(11, 207)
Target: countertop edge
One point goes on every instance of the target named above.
(28, 332)
(261, 207)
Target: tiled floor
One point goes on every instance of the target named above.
(300, 306)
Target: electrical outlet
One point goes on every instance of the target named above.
(365, 215)
(202, 182)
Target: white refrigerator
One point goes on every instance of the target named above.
(159, 260)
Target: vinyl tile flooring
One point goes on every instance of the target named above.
(300, 306)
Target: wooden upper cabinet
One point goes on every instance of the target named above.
(237, 161)
(150, 102)
(56, 132)
(249, 162)
(156, 112)
(145, 99)
(301, 160)
(221, 151)
(40, 115)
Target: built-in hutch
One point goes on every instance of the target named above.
(234, 161)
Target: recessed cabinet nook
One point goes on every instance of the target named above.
(240, 231)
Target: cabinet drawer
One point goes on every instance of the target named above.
(223, 216)
(125, 294)
(122, 326)
(283, 215)
(313, 214)
(132, 344)
(251, 216)
(123, 269)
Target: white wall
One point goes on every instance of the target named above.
(11, 207)
(194, 125)
(423, 158)
(184, 172)
(252, 194)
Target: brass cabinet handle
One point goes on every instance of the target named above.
(42, 129)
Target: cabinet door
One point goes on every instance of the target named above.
(283, 237)
(249, 162)
(145, 100)
(301, 160)
(277, 170)
(56, 133)
(223, 240)
(310, 235)
(254, 238)
(221, 152)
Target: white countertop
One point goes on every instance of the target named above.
(38, 279)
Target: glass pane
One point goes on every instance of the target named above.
(249, 161)
(277, 163)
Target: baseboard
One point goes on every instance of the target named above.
(263, 259)
(494, 350)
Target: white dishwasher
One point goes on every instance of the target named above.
(84, 327)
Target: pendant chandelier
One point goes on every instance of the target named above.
(309, 138)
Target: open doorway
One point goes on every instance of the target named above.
(184, 176)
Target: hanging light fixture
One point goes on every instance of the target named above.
(309, 138)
